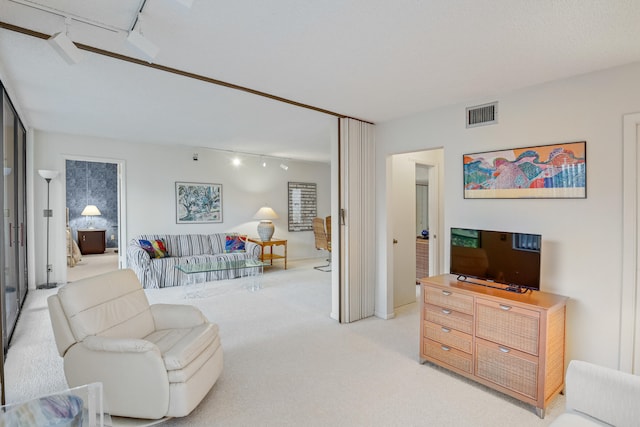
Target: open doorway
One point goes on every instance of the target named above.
(410, 172)
(422, 221)
(92, 222)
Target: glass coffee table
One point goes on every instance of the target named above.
(194, 276)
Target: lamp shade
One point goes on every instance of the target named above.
(47, 174)
(265, 212)
(90, 210)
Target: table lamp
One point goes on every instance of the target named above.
(90, 210)
(265, 228)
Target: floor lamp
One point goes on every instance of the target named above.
(48, 176)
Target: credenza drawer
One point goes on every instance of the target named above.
(449, 337)
(448, 299)
(448, 355)
(506, 367)
(511, 326)
(448, 318)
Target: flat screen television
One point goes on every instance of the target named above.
(501, 257)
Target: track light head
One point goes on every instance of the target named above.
(143, 46)
(63, 45)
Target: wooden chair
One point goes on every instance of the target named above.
(327, 221)
(323, 242)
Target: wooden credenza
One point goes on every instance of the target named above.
(92, 241)
(511, 342)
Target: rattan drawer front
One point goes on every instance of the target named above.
(508, 368)
(448, 299)
(448, 355)
(449, 318)
(449, 337)
(513, 327)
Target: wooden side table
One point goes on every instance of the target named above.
(92, 241)
(270, 256)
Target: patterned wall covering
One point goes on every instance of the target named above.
(92, 183)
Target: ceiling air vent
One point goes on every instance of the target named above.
(482, 115)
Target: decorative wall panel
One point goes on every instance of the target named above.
(302, 206)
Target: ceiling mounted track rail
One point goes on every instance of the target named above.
(178, 72)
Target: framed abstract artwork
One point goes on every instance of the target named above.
(198, 203)
(302, 205)
(537, 172)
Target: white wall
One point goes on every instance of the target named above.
(150, 173)
(582, 238)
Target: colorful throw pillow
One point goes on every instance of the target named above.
(235, 243)
(155, 248)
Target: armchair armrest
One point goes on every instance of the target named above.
(118, 345)
(168, 316)
(603, 393)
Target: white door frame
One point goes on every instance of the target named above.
(122, 208)
(435, 208)
(629, 351)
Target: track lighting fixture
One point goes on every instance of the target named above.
(63, 45)
(284, 167)
(141, 44)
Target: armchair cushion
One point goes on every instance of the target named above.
(112, 305)
(168, 316)
(179, 347)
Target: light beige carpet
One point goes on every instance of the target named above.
(94, 264)
(288, 364)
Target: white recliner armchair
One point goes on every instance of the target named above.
(154, 361)
(599, 396)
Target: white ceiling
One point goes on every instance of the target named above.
(370, 59)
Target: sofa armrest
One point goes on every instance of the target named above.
(603, 393)
(253, 250)
(170, 316)
(136, 256)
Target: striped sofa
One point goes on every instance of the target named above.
(183, 249)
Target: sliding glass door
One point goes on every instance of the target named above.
(13, 280)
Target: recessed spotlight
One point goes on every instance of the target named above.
(236, 161)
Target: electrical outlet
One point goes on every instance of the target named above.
(112, 237)
(50, 268)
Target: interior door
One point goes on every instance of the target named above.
(403, 195)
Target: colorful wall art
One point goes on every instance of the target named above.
(544, 171)
(198, 203)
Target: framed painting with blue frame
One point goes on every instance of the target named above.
(536, 172)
